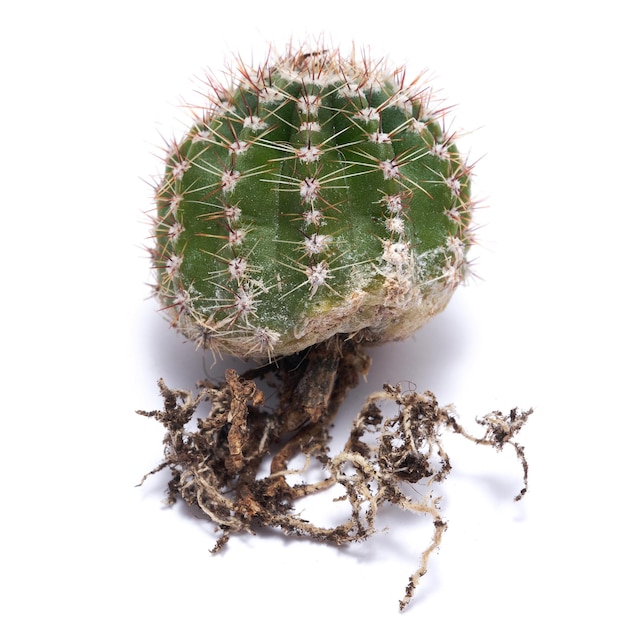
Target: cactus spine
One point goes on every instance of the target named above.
(314, 195)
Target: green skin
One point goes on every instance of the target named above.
(248, 267)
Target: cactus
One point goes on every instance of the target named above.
(314, 195)
(316, 204)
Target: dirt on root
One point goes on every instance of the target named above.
(215, 460)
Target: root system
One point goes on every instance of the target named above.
(215, 460)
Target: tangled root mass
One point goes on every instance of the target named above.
(215, 460)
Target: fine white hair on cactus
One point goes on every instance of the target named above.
(417, 126)
(454, 184)
(369, 114)
(378, 137)
(396, 253)
(316, 243)
(174, 203)
(455, 214)
(263, 340)
(173, 265)
(232, 213)
(393, 203)
(202, 135)
(353, 91)
(237, 267)
(180, 304)
(178, 169)
(236, 236)
(309, 104)
(244, 302)
(395, 225)
(271, 95)
(317, 275)
(312, 127)
(238, 147)
(229, 179)
(175, 230)
(390, 168)
(309, 189)
(440, 150)
(254, 123)
(309, 154)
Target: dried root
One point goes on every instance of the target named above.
(215, 465)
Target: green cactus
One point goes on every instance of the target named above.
(317, 201)
(315, 195)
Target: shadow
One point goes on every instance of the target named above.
(427, 359)
(166, 353)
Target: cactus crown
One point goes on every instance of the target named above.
(314, 195)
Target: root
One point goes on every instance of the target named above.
(215, 465)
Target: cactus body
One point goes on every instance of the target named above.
(315, 195)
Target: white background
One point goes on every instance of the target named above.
(88, 89)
